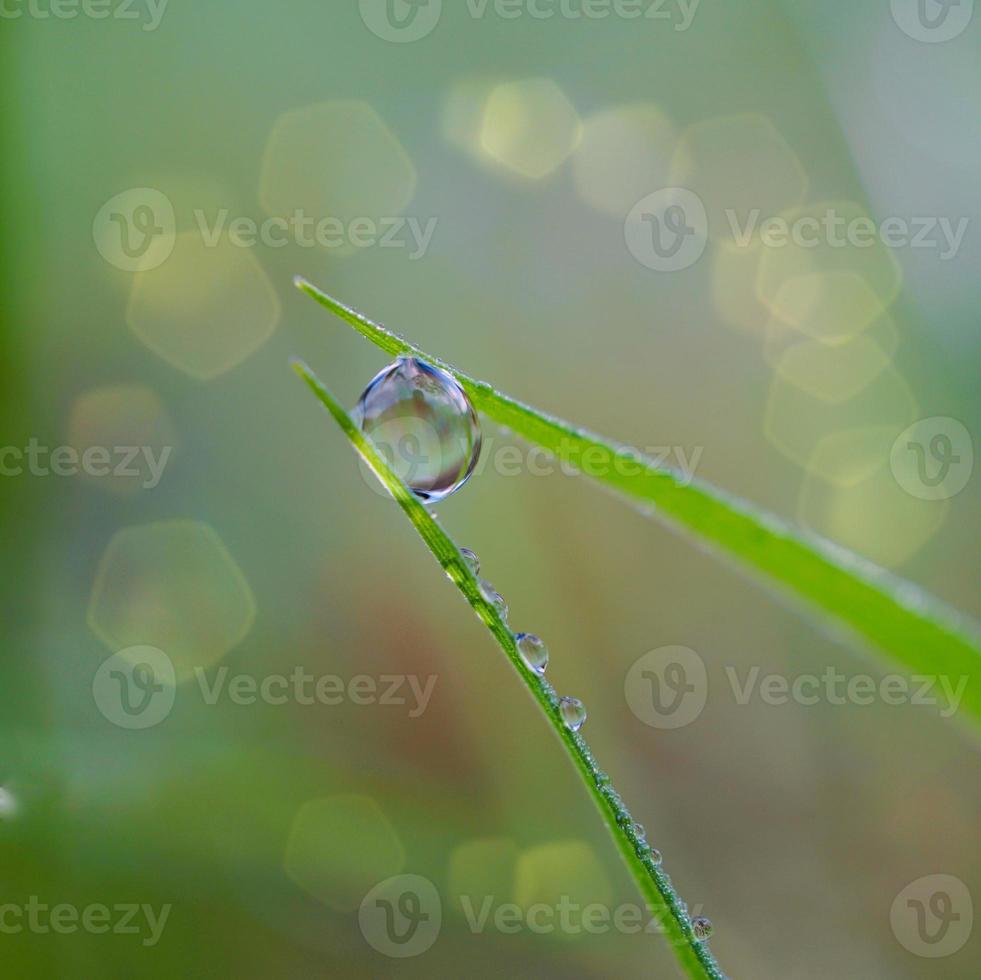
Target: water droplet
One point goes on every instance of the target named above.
(702, 928)
(656, 856)
(423, 423)
(572, 712)
(533, 652)
(471, 559)
(639, 831)
(494, 598)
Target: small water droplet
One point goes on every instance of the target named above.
(533, 652)
(656, 856)
(572, 712)
(471, 559)
(423, 423)
(702, 928)
(639, 831)
(494, 598)
(602, 778)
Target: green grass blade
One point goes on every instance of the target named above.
(694, 956)
(918, 631)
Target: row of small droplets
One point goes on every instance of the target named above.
(534, 654)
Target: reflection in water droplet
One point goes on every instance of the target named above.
(424, 425)
(494, 598)
(702, 928)
(533, 652)
(573, 713)
(473, 562)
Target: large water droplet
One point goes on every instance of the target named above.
(424, 425)
(471, 559)
(702, 928)
(572, 712)
(533, 652)
(640, 831)
(494, 598)
(656, 856)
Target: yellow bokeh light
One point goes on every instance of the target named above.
(832, 372)
(830, 275)
(530, 127)
(561, 871)
(171, 585)
(207, 308)
(479, 868)
(797, 421)
(118, 419)
(340, 847)
(336, 159)
(871, 515)
(625, 154)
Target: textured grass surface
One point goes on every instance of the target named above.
(654, 884)
(895, 617)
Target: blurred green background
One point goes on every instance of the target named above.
(260, 550)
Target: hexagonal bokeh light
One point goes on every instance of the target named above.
(171, 585)
(530, 127)
(339, 847)
(207, 308)
(129, 426)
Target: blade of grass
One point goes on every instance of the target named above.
(918, 631)
(654, 884)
